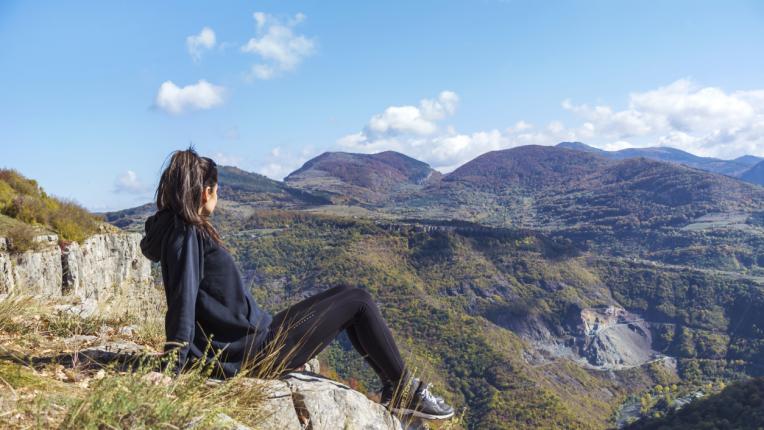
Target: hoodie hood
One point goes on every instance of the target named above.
(157, 227)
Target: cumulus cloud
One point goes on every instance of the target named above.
(129, 183)
(699, 119)
(198, 43)
(420, 120)
(703, 120)
(279, 48)
(176, 100)
(417, 131)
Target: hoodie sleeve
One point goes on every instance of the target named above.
(184, 259)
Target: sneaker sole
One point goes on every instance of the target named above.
(419, 414)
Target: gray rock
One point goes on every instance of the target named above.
(327, 404)
(31, 272)
(313, 366)
(128, 330)
(278, 412)
(105, 264)
(84, 309)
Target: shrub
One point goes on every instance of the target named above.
(72, 222)
(6, 195)
(24, 200)
(18, 182)
(21, 238)
(29, 209)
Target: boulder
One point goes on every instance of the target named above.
(324, 404)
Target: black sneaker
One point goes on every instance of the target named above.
(417, 400)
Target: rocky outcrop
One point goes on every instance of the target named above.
(323, 404)
(32, 272)
(103, 265)
(304, 401)
(308, 402)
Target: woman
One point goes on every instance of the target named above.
(208, 304)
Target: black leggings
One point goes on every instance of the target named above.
(307, 327)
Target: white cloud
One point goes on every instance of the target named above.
(280, 162)
(128, 182)
(277, 45)
(201, 95)
(419, 120)
(702, 120)
(416, 131)
(198, 43)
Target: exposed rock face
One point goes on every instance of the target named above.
(33, 272)
(616, 338)
(103, 265)
(607, 338)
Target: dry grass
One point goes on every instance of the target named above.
(49, 395)
(91, 396)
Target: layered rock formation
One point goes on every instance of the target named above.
(104, 265)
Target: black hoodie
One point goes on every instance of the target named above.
(206, 297)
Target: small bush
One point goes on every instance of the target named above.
(29, 209)
(72, 222)
(6, 195)
(21, 238)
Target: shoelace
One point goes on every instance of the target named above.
(429, 396)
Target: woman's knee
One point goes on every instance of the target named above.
(344, 286)
(360, 293)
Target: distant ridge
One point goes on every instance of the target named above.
(755, 174)
(735, 168)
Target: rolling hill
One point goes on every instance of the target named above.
(362, 178)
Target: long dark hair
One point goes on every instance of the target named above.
(181, 186)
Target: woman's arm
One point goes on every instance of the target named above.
(184, 264)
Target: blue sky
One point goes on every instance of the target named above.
(95, 95)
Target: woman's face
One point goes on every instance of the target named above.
(209, 200)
